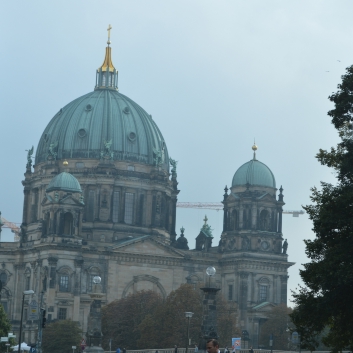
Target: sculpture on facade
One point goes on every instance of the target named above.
(107, 153)
(52, 150)
(285, 247)
(29, 158)
(157, 154)
(182, 242)
(173, 163)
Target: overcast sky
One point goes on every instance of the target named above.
(213, 74)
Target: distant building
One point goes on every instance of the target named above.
(101, 200)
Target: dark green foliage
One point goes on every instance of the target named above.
(122, 320)
(60, 336)
(144, 320)
(325, 303)
(5, 328)
(277, 323)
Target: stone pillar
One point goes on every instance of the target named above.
(280, 220)
(241, 210)
(284, 279)
(94, 329)
(25, 205)
(209, 323)
(253, 214)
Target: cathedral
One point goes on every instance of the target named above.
(101, 200)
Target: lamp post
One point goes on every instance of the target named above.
(26, 292)
(209, 322)
(188, 314)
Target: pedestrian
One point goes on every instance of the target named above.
(118, 350)
(226, 350)
(251, 350)
(196, 349)
(124, 350)
(212, 346)
(175, 349)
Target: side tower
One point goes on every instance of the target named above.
(254, 265)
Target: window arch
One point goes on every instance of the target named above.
(91, 273)
(265, 220)
(64, 279)
(68, 223)
(264, 286)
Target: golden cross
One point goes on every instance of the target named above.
(108, 29)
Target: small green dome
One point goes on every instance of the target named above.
(254, 173)
(64, 182)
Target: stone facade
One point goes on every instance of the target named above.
(121, 226)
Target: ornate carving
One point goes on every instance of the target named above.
(106, 153)
(52, 151)
(52, 261)
(29, 158)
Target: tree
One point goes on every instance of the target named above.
(171, 320)
(325, 302)
(226, 321)
(277, 323)
(5, 328)
(122, 319)
(60, 336)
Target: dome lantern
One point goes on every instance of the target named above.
(107, 75)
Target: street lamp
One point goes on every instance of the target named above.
(210, 271)
(26, 292)
(188, 314)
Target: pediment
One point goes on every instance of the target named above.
(266, 197)
(263, 307)
(148, 245)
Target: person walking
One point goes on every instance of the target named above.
(251, 350)
(117, 350)
(226, 350)
(196, 349)
(124, 350)
(175, 349)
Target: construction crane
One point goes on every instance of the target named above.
(14, 228)
(219, 206)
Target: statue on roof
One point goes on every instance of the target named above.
(29, 158)
(173, 163)
(182, 242)
(157, 157)
(52, 150)
(285, 247)
(107, 153)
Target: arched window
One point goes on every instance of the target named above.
(264, 285)
(264, 222)
(91, 273)
(68, 223)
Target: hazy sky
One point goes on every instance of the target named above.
(213, 74)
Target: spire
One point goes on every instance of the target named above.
(107, 75)
(254, 148)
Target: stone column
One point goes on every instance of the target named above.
(77, 289)
(209, 323)
(253, 214)
(241, 217)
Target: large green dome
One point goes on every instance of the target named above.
(254, 173)
(103, 124)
